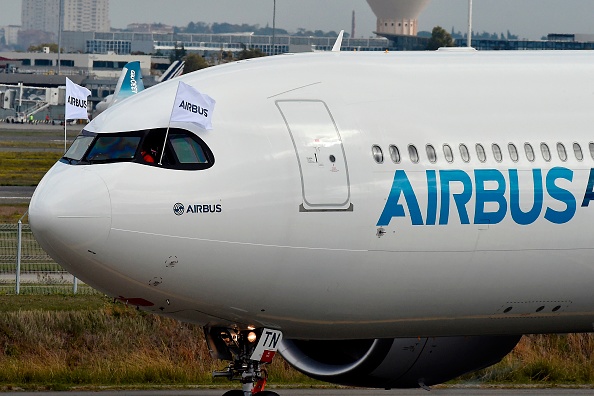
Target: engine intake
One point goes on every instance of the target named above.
(395, 363)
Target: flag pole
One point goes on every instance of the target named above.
(168, 125)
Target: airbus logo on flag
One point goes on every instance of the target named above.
(77, 102)
(193, 108)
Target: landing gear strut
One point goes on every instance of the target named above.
(248, 351)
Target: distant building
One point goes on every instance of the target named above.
(554, 41)
(35, 64)
(157, 28)
(210, 44)
(79, 15)
(11, 34)
(40, 15)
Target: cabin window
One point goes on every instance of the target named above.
(378, 154)
(529, 152)
(464, 153)
(480, 152)
(513, 152)
(431, 154)
(546, 153)
(562, 152)
(591, 147)
(577, 150)
(395, 154)
(413, 153)
(448, 153)
(497, 154)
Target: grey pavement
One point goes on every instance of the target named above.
(38, 127)
(15, 194)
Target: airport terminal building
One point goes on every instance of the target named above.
(125, 43)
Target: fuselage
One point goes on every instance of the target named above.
(332, 208)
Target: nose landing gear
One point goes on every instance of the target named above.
(248, 351)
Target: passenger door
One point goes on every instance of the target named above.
(320, 155)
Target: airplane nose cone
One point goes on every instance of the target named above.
(70, 214)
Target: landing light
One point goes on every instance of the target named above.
(252, 337)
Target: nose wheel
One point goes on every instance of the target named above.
(249, 351)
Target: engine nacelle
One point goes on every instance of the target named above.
(395, 363)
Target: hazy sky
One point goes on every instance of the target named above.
(526, 18)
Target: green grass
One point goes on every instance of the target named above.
(59, 342)
(64, 341)
(552, 359)
(54, 302)
(25, 168)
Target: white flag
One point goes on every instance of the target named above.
(192, 106)
(76, 101)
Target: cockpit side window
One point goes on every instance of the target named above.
(187, 150)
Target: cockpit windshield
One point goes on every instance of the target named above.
(114, 148)
(79, 147)
(173, 149)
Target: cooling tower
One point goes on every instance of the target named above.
(397, 16)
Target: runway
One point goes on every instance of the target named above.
(472, 391)
(15, 194)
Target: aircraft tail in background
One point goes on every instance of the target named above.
(130, 83)
(175, 70)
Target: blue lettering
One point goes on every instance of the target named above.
(491, 203)
(483, 196)
(589, 195)
(519, 216)
(461, 199)
(431, 198)
(401, 185)
(560, 194)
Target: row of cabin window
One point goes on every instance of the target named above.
(481, 153)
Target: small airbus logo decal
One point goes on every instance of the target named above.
(178, 209)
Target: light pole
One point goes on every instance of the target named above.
(469, 41)
(273, 27)
(61, 6)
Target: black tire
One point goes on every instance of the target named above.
(267, 393)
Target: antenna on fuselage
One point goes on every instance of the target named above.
(338, 43)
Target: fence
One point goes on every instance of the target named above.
(26, 269)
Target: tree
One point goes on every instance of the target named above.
(249, 53)
(439, 38)
(53, 48)
(194, 62)
(178, 53)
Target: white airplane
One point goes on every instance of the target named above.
(399, 219)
